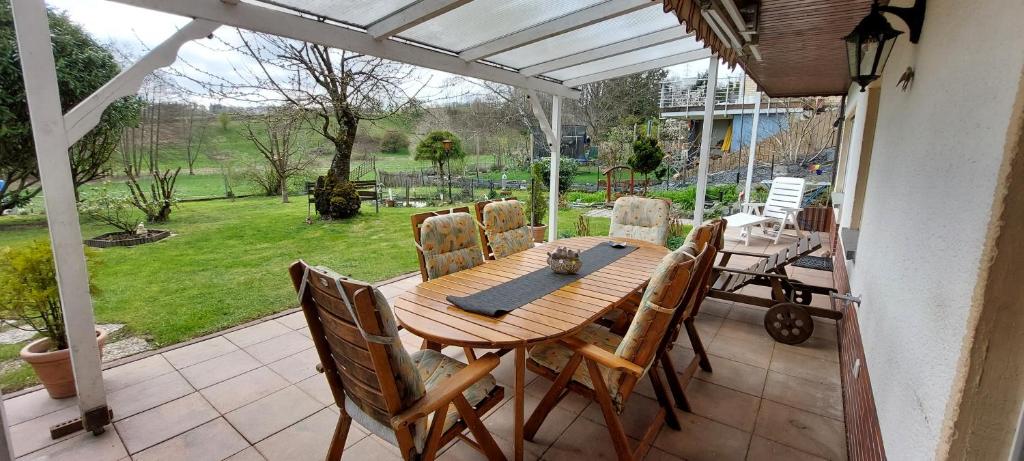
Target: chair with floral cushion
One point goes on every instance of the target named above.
(446, 242)
(641, 218)
(503, 229)
(418, 402)
(606, 367)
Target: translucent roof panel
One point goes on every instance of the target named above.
(627, 59)
(481, 21)
(357, 12)
(635, 24)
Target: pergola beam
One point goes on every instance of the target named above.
(84, 116)
(607, 51)
(681, 58)
(558, 26)
(710, 88)
(271, 21)
(407, 18)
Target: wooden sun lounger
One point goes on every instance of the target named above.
(788, 319)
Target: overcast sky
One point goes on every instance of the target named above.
(134, 30)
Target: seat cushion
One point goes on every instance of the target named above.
(505, 226)
(434, 367)
(449, 244)
(640, 218)
(554, 357)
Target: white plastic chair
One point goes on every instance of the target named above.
(781, 208)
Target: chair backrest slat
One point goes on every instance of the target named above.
(785, 193)
(417, 221)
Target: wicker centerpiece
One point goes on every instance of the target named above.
(564, 261)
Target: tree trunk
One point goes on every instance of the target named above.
(341, 164)
(284, 190)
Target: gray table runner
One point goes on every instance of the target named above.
(509, 296)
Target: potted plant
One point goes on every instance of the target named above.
(28, 295)
(537, 203)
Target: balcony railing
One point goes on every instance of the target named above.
(690, 92)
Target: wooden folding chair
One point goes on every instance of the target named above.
(614, 365)
(417, 226)
(418, 402)
(498, 241)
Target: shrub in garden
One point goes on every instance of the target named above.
(536, 201)
(393, 142)
(335, 199)
(646, 157)
(112, 209)
(568, 168)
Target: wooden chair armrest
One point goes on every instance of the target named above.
(743, 253)
(603, 357)
(752, 273)
(445, 392)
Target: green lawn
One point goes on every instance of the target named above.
(227, 264)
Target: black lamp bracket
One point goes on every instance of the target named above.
(912, 16)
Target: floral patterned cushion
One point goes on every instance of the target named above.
(434, 367)
(506, 229)
(554, 356)
(640, 218)
(449, 244)
(640, 328)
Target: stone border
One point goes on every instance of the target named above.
(151, 236)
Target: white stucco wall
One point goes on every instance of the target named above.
(937, 150)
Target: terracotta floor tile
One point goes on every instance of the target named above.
(583, 440)
(762, 449)
(734, 375)
(825, 399)
(164, 422)
(659, 455)
(825, 329)
(213, 371)
(499, 423)
(297, 367)
(819, 348)
(316, 386)
(83, 446)
(636, 418)
(708, 326)
(33, 405)
(715, 307)
(810, 368)
(703, 439)
(460, 451)
(371, 448)
(279, 347)
(722, 404)
(148, 394)
(243, 389)
(199, 352)
(743, 330)
(309, 439)
(258, 420)
(212, 441)
(135, 372)
(257, 333)
(34, 434)
(249, 454)
(746, 314)
(749, 350)
(573, 403)
(295, 320)
(802, 430)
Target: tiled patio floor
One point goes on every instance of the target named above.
(253, 394)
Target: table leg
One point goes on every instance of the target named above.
(520, 392)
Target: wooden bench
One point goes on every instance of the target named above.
(368, 190)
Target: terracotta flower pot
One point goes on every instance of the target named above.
(54, 367)
(540, 233)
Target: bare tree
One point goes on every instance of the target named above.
(801, 132)
(336, 88)
(140, 147)
(194, 135)
(275, 136)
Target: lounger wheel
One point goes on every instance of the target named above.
(789, 323)
(796, 295)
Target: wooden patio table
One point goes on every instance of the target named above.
(425, 311)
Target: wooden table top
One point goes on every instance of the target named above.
(425, 311)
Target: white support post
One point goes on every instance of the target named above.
(753, 150)
(6, 445)
(40, 75)
(705, 140)
(556, 153)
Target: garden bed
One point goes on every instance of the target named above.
(125, 239)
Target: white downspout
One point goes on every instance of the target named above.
(51, 142)
(753, 150)
(705, 140)
(556, 153)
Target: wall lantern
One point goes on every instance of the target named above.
(869, 45)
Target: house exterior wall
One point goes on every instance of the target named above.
(935, 160)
